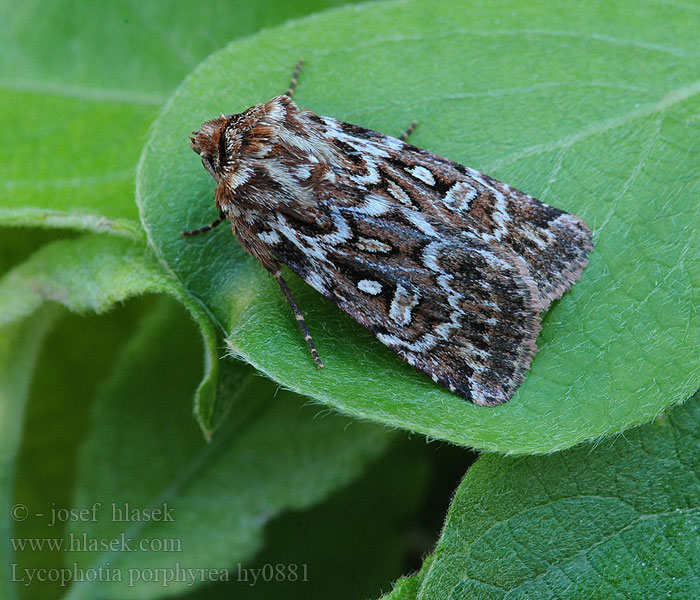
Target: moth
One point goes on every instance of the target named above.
(448, 267)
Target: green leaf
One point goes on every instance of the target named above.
(78, 170)
(619, 520)
(143, 453)
(590, 107)
(75, 358)
(85, 274)
(19, 346)
(408, 588)
(81, 82)
(350, 546)
(142, 447)
(88, 273)
(92, 273)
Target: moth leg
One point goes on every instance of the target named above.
(295, 79)
(411, 128)
(220, 219)
(299, 317)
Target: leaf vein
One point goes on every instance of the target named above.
(666, 102)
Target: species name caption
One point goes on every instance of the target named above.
(448, 267)
(174, 574)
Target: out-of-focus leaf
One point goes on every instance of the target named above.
(19, 346)
(75, 357)
(92, 273)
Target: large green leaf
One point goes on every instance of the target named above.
(84, 274)
(590, 107)
(80, 83)
(615, 521)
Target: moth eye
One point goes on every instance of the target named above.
(208, 163)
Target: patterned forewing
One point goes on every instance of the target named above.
(451, 305)
(552, 244)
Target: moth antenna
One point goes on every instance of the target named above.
(295, 78)
(411, 128)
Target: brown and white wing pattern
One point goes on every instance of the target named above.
(445, 265)
(553, 244)
(461, 312)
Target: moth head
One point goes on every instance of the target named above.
(208, 141)
(223, 143)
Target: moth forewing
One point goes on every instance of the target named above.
(445, 265)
